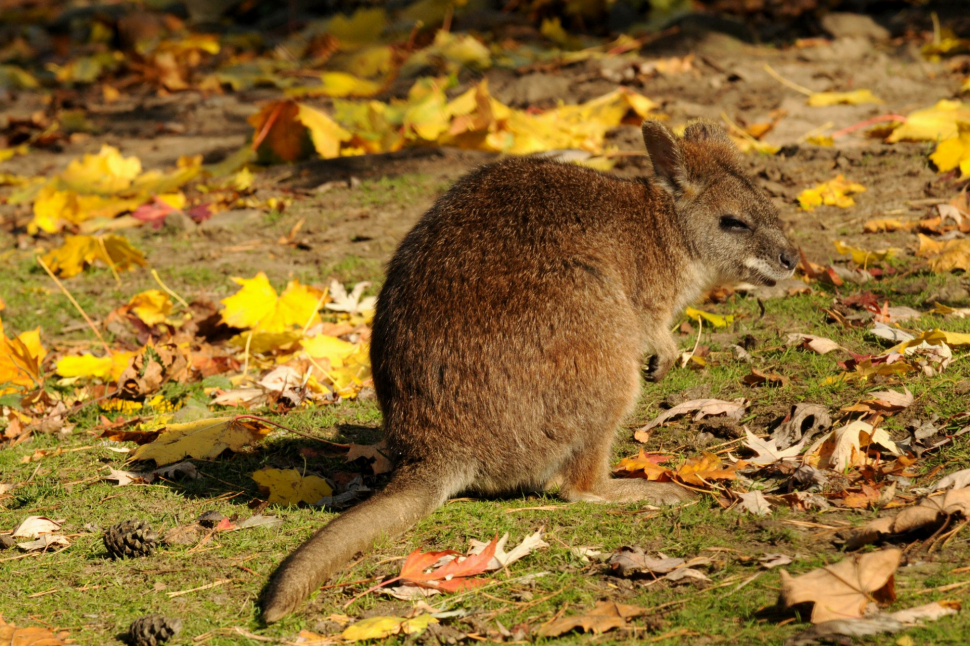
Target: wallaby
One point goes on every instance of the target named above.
(508, 339)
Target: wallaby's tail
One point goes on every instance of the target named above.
(410, 496)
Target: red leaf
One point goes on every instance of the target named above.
(450, 576)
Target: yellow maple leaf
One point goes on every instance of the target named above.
(335, 350)
(257, 306)
(20, 359)
(290, 487)
(381, 627)
(862, 257)
(79, 252)
(835, 192)
(954, 152)
(338, 84)
(151, 306)
(856, 97)
(202, 439)
(325, 133)
(932, 124)
(106, 172)
(88, 365)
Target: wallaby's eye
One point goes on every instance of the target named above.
(731, 223)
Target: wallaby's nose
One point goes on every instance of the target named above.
(788, 259)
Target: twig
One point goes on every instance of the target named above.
(789, 84)
(108, 261)
(263, 420)
(75, 304)
(868, 122)
(172, 595)
(274, 115)
(168, 290)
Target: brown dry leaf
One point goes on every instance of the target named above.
(843, 590)
(889, 401)
(849, 446)
(700, 470)
(31, 636)
(149, 370)
(759, 378)
(627, 561)
(817, 344)
(754, 502)
(607, 615)
(702, 408)
(929, 513)
(376, 452)
(768, 451)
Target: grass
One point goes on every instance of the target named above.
(95, 598)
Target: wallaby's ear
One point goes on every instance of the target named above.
(701, 131)
(665, 155)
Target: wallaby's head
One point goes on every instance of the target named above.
(727, 220)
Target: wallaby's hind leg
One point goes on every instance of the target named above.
(587, 477)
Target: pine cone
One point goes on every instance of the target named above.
(130, 538)
(152, 630)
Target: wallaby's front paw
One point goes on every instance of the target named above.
(659, 367)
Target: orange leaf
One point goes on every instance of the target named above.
(645, 465)
(279, 130)
(450, 576)
(701, 470)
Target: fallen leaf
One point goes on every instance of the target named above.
(606, 616)
(381, 627)
(79, 252)
(932, 124)
(152, 306)
(700, 470)
(645, 465)
(454, 575)
(862, 257)
(817, 344)
(258, 307)
(844, 589)
(856, 97)
(930, 513)
(260, 521)
(928, 612)
(502, 558)
(87, 365)
(842, 448)
(702, 408)
(34, 526)
(835, 192)
(769, 561)
(627, 561)
(20, 359)
(289, 486)
(758, 378)
(956, 480)
(954, 152)
(717, 320)
(381, 463)
(754, 502)
(203, 439)
(351, 303)
(767, 450)
(44, 542)
(31, 636)
(889, 401)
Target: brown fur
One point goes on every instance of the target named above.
(509, 336)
